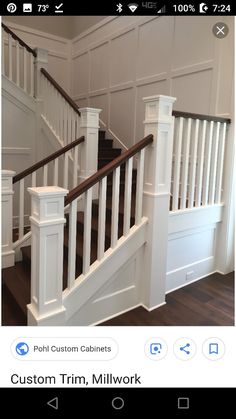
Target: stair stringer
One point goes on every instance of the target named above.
(112, 286)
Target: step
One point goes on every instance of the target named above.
(104, 161)
(11, 313)
(109, 152)
(17, 281)
(105, 143)
(101, 134)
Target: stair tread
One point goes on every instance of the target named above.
(17, 280)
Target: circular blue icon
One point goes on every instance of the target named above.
(22, 348)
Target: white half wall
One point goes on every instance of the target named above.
(192, 244)
(123, 59)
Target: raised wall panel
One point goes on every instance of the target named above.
(100, 102)
(81, 74)
(154, 47)
(60, 69)
(122, 58)
(122, 115)
(190, 247)
(99, 67)
(193, 40)
(157, 88)
(193, 92)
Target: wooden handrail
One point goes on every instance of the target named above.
(22, 43)
(60, 90)
(106, 170)
(202, 117)
(47, 160)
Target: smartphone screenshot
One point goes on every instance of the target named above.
(117, 209)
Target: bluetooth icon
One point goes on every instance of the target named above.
(119, 7)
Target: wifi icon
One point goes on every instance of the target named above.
(133, 7)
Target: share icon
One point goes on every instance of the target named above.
(183, 348)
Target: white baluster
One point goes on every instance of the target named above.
(87, 230)
(3, 53)
(65, 131)
(10, 56)
(128, 192)
(220, 164)
(21, 208)
(206, 177)
(185, 166)
(214, 166)
(65, 171)
(31, 75)
(72, 243)
(192, 175)
(17, 63)
(25, 70)
(102, 217)
(200, 165)
(33, 179)
(139, 187)
(45, 175)
(115, 206)
(77, 131)
(55, 172)
(8, 254)
(55, 111)
(73, 137)
(69, 111)
(178, 145)
(58, 113)
(62, 119)
(75, 166)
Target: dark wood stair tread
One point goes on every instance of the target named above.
(17, 281)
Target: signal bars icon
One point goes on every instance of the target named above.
(132, 7)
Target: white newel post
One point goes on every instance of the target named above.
(8, 254)
(47, 227)
(157, 180)
(41, 61)
(89, 127)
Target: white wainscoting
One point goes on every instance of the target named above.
(122, 59)
(192, 241)
(58, 51)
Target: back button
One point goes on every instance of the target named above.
(53, 403)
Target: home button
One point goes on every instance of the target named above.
(117, 403)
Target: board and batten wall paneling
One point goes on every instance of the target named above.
(58, 51)
(119, 61)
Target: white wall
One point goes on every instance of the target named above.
(55, 25)
(83, 23)
(122, 59)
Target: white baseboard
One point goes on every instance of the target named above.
(154, 307)
(177, 279)
(115, 315)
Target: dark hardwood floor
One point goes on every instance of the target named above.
(208, 302)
